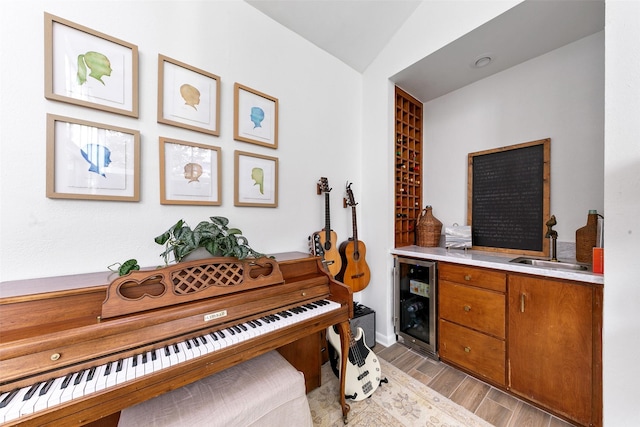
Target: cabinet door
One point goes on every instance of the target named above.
(550, 344)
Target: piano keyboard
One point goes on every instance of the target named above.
(47, 394)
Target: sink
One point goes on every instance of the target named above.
(545, 263)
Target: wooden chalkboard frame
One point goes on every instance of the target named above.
(538, 148)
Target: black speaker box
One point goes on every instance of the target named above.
(364, 318)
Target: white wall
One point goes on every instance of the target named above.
(319, 130)
(559, 95)
(621, 337)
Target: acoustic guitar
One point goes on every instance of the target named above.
(325, 242)
(355, 271)
(363, 374)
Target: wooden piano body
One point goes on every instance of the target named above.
(60, 332)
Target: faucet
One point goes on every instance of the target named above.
(553, 235)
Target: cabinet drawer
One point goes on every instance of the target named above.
(477, 352)
(488, 279)
(475, 308)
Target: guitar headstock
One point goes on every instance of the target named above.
(349, 200)
(323, 185)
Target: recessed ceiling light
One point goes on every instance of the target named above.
(483, 61)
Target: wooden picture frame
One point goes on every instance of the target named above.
(88, 68)
(190, 173)
(255, 117)
(92, 161)
(508, 198)
(255, 180)
(188, 97)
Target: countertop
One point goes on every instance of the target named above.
(495, 260)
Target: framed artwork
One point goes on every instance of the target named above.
(256, 180)
(92, 161)
(88, 68)
(188, 97)
(189, 173)
(256, 117)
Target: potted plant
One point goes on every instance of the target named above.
(214, 235)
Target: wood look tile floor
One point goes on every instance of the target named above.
(486, 401)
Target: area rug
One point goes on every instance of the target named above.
(403, 401)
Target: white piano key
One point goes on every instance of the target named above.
(155, 359)
(130, 363)
(111, 374)
(101, 383)
(139, 367)
(45, 393)
(92, 379)
(79, 383)
(121, 371)
(30, 399)
(12, 410)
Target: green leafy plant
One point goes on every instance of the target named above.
(125, 267)
(214, 235)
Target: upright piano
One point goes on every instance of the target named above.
(73, 356)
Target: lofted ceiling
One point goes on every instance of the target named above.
(356, 31)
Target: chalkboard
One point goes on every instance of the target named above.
(509, 198)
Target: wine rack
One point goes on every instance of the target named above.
(408, 161)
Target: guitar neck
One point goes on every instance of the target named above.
(355, 226)
(327, 215)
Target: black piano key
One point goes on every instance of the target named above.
(144, 358)
(120, 365)
(213, 335)
(8, 398)
(167, 352)
(154, 356)
(78, 378)
(134, 360)
(188, 344)
(107, 370)
(66, 381)
(195, 342)
(45, 388)
(176, 349)
(221, 334)
(91, 374)
(231, 331)
(237, 329)
(203, 339)
(243, 327)
(32, 391)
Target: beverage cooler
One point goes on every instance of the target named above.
(414, 305)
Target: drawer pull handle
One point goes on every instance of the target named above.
(467, 349)
(467, 308)
(521, 303)
(467, 277)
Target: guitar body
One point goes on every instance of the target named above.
(355, 271)
(331, 256)
(363, 374)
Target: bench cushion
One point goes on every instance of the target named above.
(263, 391)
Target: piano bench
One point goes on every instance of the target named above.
(263, 391)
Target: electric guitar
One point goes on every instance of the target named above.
(355, 271)
(363, 375)
(327, 238)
